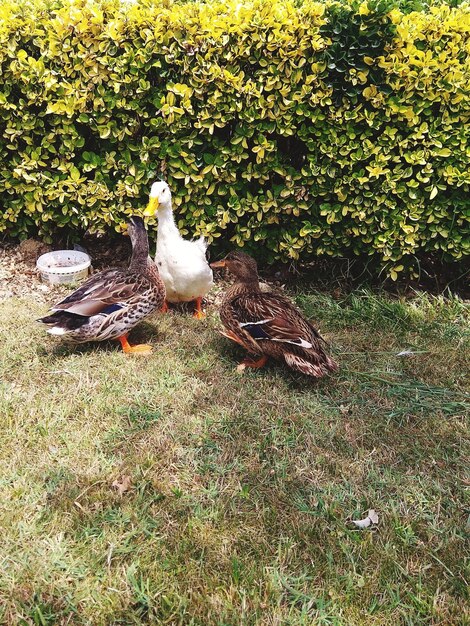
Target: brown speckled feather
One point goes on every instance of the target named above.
(112, 302)
(283, 321)
(267, 324)
(108, 287)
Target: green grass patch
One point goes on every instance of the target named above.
(241, 486)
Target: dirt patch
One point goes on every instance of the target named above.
(19, 277)
(18, 274)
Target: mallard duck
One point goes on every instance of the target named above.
(182, 264)
(112, 302)
(267, 324)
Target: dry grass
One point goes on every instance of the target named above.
(241, 485)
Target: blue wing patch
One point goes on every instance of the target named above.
(112, 308)
(255, 330)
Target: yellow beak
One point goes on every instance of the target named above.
(152, 207)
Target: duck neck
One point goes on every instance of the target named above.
(140, 253)
(166, 222)
(247, 286)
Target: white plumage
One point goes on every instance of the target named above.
(182, 264)
(56, 330)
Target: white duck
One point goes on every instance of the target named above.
(182, 264)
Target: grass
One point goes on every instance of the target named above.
(241, 486)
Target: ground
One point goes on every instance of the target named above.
(172, 490)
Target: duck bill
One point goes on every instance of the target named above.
(152, 207)
(218, 264)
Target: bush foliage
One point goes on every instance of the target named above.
(302, 129)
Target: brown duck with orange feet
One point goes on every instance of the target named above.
(109, 304)
(267, 324)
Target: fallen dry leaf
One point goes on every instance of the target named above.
(122, 485)
(372, 518)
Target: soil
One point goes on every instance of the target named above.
(18, 275)
(20, 278)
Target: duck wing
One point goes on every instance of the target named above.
(102, 291)
(202, 244)
(265, 316)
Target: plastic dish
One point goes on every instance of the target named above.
(63, 266)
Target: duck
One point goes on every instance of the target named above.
(267, 324)
(182, 264)
(109, 304)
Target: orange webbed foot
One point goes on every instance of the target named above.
(165, 308)
(141, 348)
(251, 363)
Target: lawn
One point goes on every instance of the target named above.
(242, 486)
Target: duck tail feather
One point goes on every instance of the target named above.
(317, 370)
(331, 365)
(48, 319)
(63, 322)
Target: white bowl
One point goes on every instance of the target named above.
(63, 266)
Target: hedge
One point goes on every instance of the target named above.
(294, 130)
